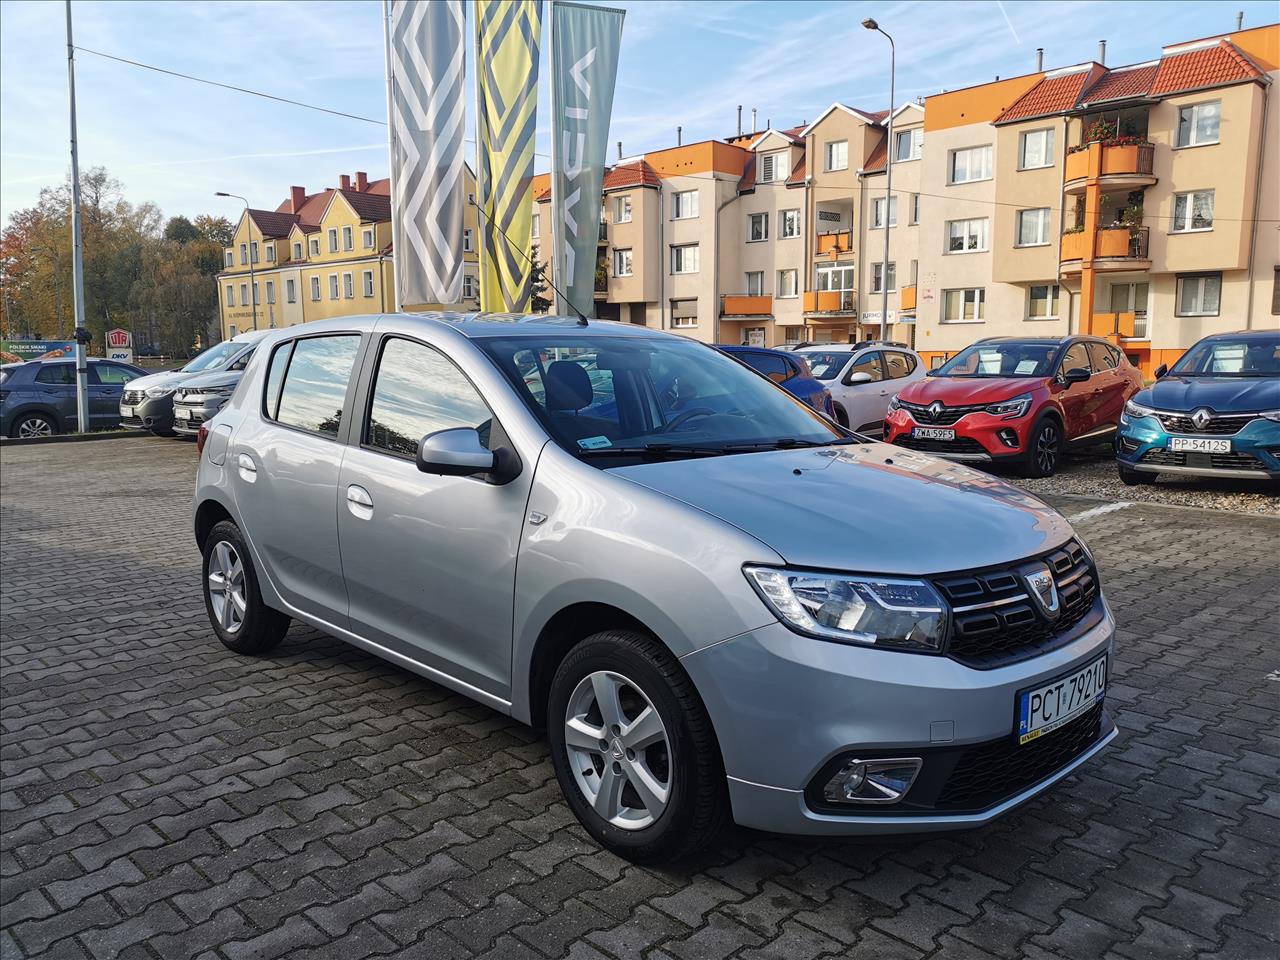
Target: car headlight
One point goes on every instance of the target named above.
(893, 402)
(1011, 409)
(1273, 415)
(1132, 409)
(890, 612)
(159, 391)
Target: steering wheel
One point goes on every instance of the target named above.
(683, 418)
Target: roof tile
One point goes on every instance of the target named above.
(1207, 67)
(637, 174)
(272, 223)
(1051, 95)
(1121, 84)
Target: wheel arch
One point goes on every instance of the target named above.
(208, 515)
(58, 421)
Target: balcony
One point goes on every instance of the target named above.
(907, 299)
(745, 305)
(1118, 248)
(830, 302)
(1116, 166)
(832, 242)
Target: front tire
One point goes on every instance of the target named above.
(1044, 449)
(1135, 478)
(842, 417)
(232, 599)
(31, 426)
(634, 750)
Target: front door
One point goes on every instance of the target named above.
(106, 385)
(285, 465)
(429, 561)
(867, 403)
(1109, 384)
(1078, 401)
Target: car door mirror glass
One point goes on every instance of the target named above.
(1076, 375)
(456, 452)
(1161, 370)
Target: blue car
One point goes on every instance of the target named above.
(789, 371)
(1215, 414)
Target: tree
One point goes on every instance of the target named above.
(217, 230)
(181, 230)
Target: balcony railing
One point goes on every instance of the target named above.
(907, 298)
(1115, 243)
(1116, 160)
(833, 240)
(745, 305)
(830, 301)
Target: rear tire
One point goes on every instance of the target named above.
(30, 426)
(232, 599)
(1135, 478)
(634, 749)
(1044, 449)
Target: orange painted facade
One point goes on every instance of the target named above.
(981, 104)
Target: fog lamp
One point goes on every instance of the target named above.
(872, 781)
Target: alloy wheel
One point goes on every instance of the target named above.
(618, 749)
(226, 586)
(1047, 448)
(35, 427)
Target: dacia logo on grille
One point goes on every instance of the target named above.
(1043, 589)
(935, 410)
(1200, 419)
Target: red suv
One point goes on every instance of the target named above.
(1016, 400)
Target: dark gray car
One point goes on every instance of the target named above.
(38, 398)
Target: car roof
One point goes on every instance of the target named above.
(739, 348)
(484, 325)
(1243, 334)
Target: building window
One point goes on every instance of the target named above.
(684, 258)
(1199, 124)
(315, 246)
(773, 167)
(970, 164)
(244, 294)
(915, 209)
(963, 306)
(244, 254)
(908, 145)
(291, 290)
(837, 154)
(348, 286)
(257, 299)
(348, 239)
(788, 284)
(271, 291)
(757, 227)
(622, 262)
(231, 295)
(470, 287)
(368, 283)
(315, 288)
(368, 238)
(333, 286)
(333, 239)
(535, 227)
(967, 236)
(1192, 211)
(229, 258)
(684, 205)
(789, 224)
(684, 313)
(1199, 295)
(253, 251)
(297, 250)
(878, 275)
(877, 212)
(1035, 149)
(835, 277)
(271, 253)
(755, 283)
(468, 240)
(622, 209)
(1043, 302)
(1033, 227)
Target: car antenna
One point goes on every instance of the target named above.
(538, 270)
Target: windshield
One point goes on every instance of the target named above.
(608, 398)
(826, 365)
(1246, 357)
(1002, 359)
(214, 358)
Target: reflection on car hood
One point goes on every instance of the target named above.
(218, 378)
(963, 391)
(1220, 394)
(872, 508)
(169, 378)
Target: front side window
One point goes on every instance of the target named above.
(837, 154)
(879, 275)
(967, 236)
(877, 212)
(972, 163)
(113, 373)
(908, 144)
(684, 205)
(1043, 302)
(1033, 227)
(870, 364)
(964, 306)
(1076, 358)
(417, 391)
(1199, 124)
(315, 383)
(1035, 149)
(1192, 211)
(757, 227)
(788, 224)
(1199, 295)
(1228, 356)
(755, 283)
(684, 258)
(622, 262)
(622, 209)
(788, 283)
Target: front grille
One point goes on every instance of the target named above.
(991, 772)
(995, 621)
(1220, 424)
(132, 396)
(1204, 461)
(958, 445)
(945, 416)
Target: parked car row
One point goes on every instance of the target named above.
(38, 397)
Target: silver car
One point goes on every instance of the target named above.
(719, 604)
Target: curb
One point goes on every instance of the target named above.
(72, 437)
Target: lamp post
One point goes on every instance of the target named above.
(870, 24)
(253, 285)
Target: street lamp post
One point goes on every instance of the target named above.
(870, 24)
(253, 286)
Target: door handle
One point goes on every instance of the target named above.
(248, 469)
(359, 502)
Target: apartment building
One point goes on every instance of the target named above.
(321, 255)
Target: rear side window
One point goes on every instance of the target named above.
(315, 383)
(417, 391)
(775, 368)
(898, 364)
(1103, 357)
(56, 373)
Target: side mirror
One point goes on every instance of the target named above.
(1076, 375)
(1162, 370)
(455, 453)
(860, 377)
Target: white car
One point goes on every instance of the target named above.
(862, 377)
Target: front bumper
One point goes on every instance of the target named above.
(980, 437)
(196, 414)
(786, 707)
(151, 413)
(1142, 444)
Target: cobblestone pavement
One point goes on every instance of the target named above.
(162, 798)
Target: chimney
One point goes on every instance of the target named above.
(362, 181)
(297, 197)
(739, 119)
(679, 136)
(768, 124)
(1240, 20)
(753, 119)
(1102, 52)
(619, 149)
(344, 182)
(1039, 59)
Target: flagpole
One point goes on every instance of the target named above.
(557, 219)
(77, 248)
(392, 151)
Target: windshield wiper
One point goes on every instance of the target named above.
(654, 450)
(785, 443)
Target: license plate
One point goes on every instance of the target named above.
(1199, 445)
(933, 433)
(1049, 707)
(126, 411)
(182, 413)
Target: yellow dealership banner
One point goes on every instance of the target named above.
(508, 35)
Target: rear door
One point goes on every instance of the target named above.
(55, 388)
(1078, 400)
(867, 403)
(1109, 385)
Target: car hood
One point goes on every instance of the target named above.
(1220, 394)
(870, 508)
(218, 378)
(963, 391)
(169, 378)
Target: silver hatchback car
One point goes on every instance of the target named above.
(719, 604)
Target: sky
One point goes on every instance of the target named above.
(175, 142)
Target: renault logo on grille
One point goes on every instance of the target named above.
(935, 410)
(1043, 588)
(1200, 419)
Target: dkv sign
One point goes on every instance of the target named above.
(119, 345)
